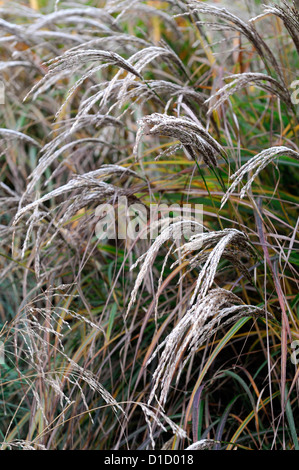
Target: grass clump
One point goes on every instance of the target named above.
(173, 103)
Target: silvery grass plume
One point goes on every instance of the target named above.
(126, 8)
(230, 243)
(289, 14)
(139, 61)
(108, 17)
(256, 165)
(170, 231)
(35, 33)
(16, 31)
(76, 59)
(36, 331)
(246, 79)
(217, 309)
(96, 191)
(91, 190)
(51, 152)
(37, 327)
(203, 444)
(229, 253)
(122, 92)
(234, 23)
(21, 444)
(154, 417)
(93, 18)
(14, 63)
(11, 134)
(114, 42)
(158, 91)
(193, 137)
